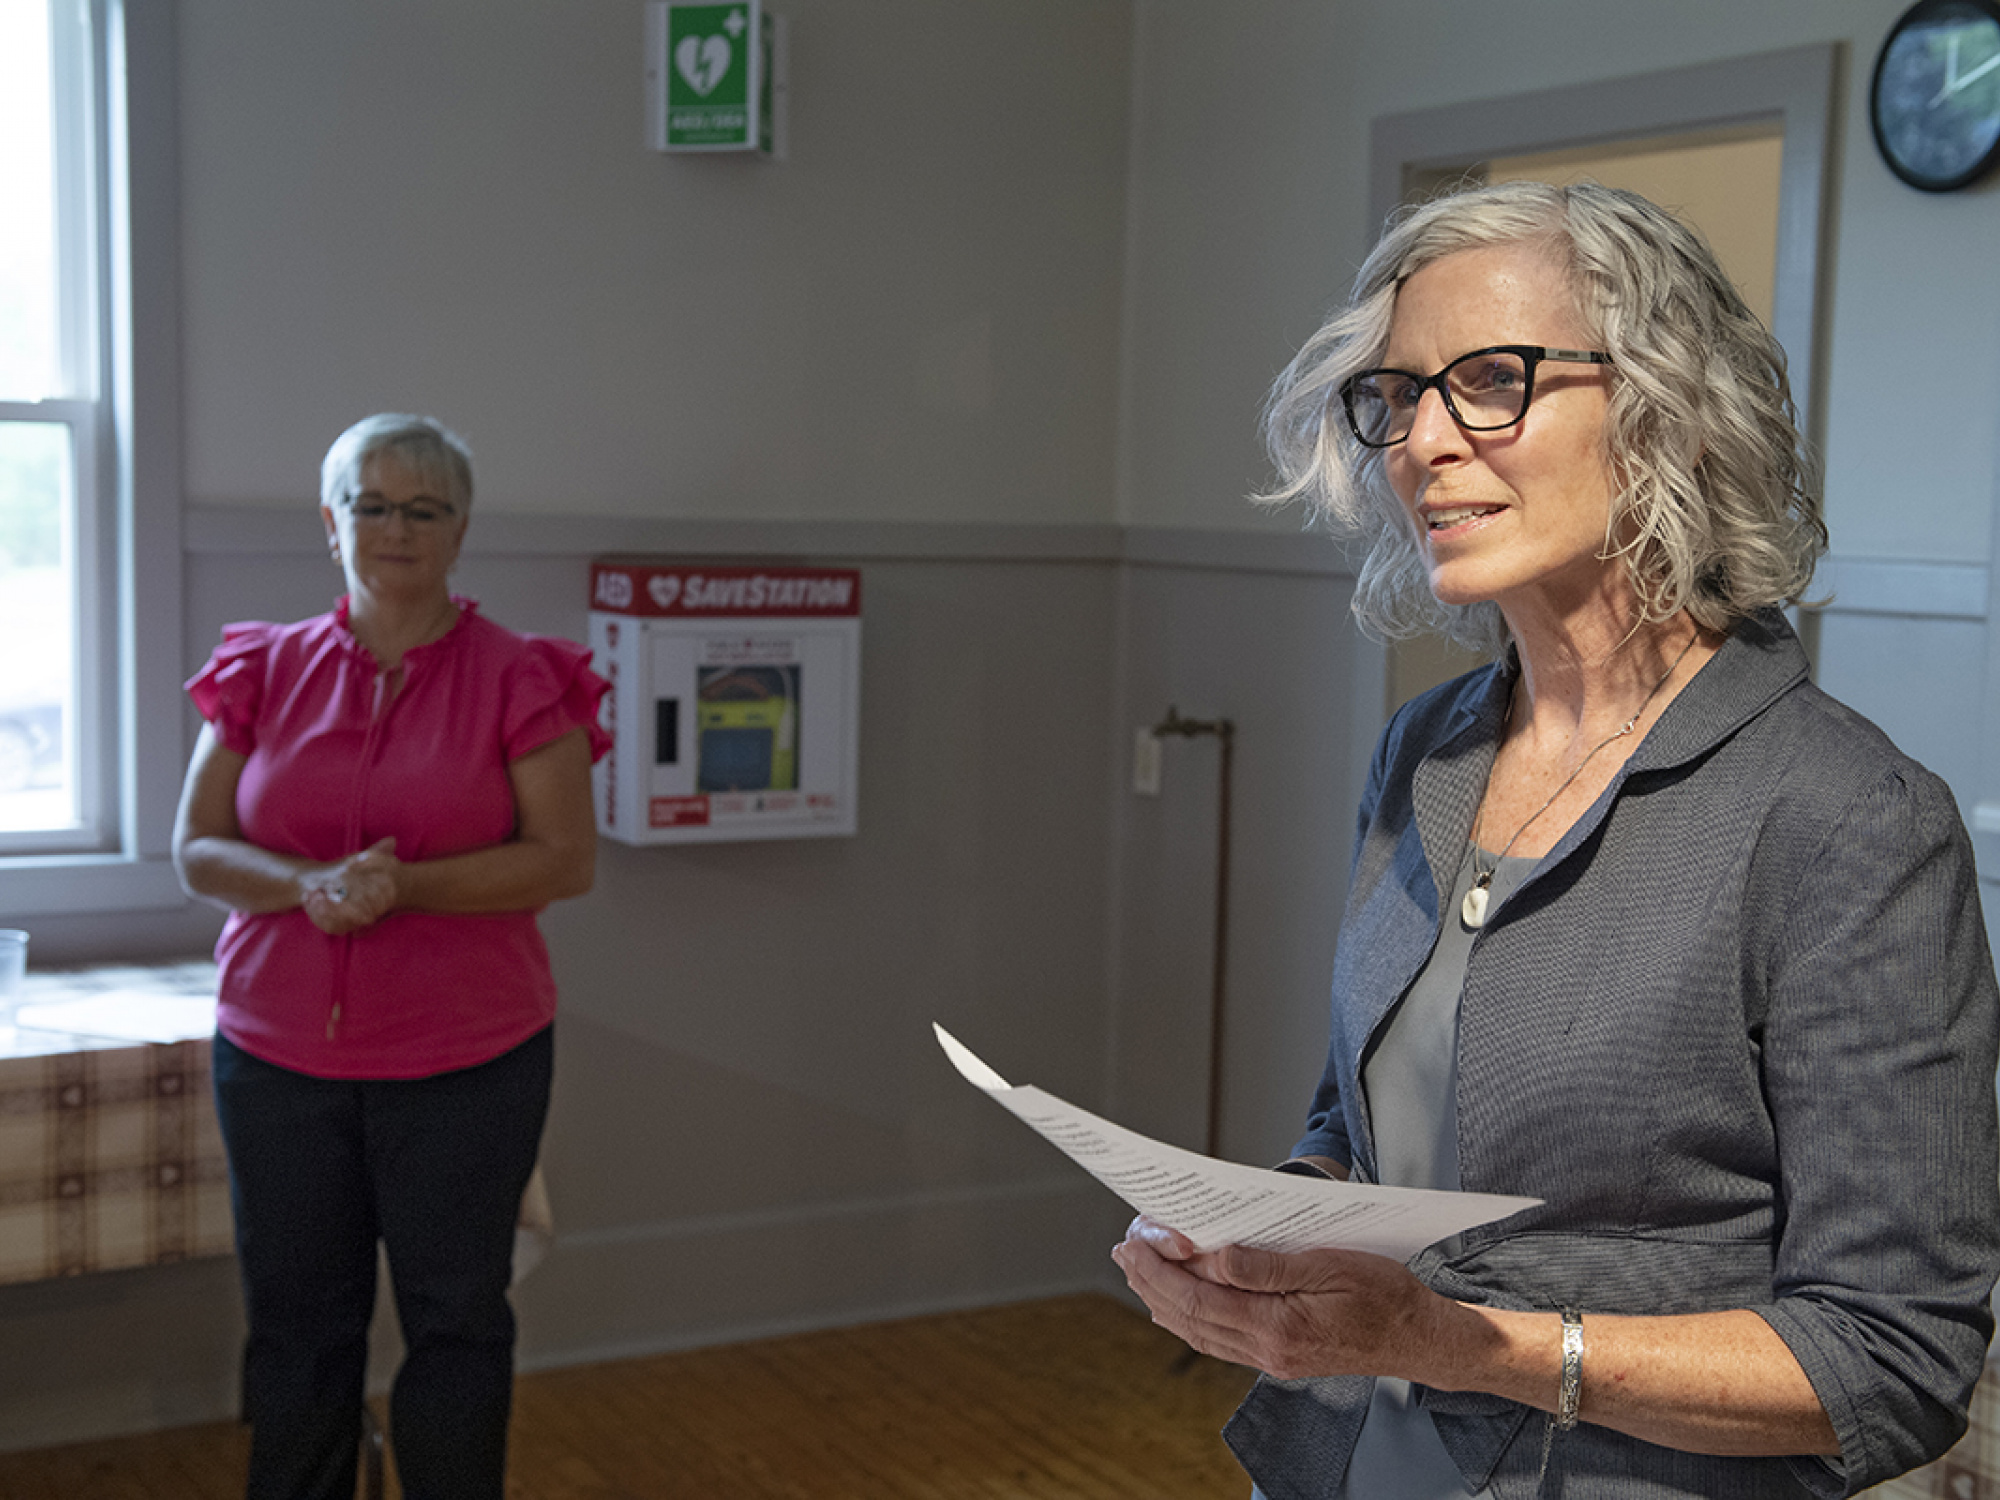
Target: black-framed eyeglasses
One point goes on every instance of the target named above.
(373, 510)
(1484, 391)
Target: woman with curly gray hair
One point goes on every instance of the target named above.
(1640, 923)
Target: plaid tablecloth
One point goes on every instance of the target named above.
(109, 1153)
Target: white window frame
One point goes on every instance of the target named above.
(127, 444)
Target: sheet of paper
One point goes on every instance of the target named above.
(1216, 1203)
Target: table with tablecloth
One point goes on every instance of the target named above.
(109, 1152)
(110, 1155)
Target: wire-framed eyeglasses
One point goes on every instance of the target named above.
(1484, 391)
(372, 510)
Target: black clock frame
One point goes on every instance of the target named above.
(1915, 15)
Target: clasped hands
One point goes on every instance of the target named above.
(1312, 1312)
(355, 892)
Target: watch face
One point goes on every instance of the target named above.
(1935, 104)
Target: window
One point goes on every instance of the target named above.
(90, 730)
(49, 382)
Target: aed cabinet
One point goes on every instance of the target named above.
(734, 709)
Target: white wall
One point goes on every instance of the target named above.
(1254, 639)
(447, 206)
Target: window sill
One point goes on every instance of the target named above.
(55, 884)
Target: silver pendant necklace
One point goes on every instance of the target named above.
(1472, 910)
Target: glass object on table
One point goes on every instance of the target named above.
(13, 970)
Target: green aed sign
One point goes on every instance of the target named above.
(707, 68)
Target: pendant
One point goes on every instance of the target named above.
(1473, 908)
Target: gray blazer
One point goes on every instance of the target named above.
(1738, 1030)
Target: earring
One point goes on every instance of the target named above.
(333, 549)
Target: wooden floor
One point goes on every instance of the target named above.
(1077, 1398)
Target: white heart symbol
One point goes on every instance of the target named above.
(702, 61)
(664, 590)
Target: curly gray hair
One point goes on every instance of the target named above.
(1720, 509)
(432, 451)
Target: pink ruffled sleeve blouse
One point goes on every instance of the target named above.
(331, 769)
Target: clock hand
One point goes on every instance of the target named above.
(1950, 71)
(1979, 72)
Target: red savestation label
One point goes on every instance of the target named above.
(684, 591)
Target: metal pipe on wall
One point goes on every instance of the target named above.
(1224, 732)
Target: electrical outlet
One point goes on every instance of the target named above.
(1145, 762)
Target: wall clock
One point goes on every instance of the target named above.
(1935, 101)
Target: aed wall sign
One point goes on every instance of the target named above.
(710, 75)
(735, 700)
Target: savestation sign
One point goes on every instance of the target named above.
(668, 590)
(708, 75)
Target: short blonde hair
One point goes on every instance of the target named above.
(1720, 511)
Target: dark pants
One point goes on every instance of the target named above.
(320, 1170)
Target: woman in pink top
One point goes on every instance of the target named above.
(383, 797)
